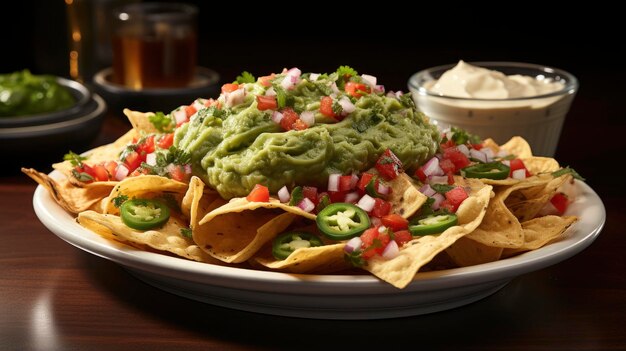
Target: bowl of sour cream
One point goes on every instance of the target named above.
(498, 100)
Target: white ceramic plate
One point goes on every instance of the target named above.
(326, 296)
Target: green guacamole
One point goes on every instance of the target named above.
(22, 93)
(234, 148)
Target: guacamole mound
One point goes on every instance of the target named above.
(235, 145)
(23, 93)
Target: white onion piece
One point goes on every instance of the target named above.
(380, 89)
(427, 190)
(294, 72)
(151, 159)
(180, 116)
(333, 182)
(354, 180)
(399, 93)
(270, 92)
(277, 117)
(391, 250)
(283, 194)
(351, 197)
(383, 188)
(375, 221)
(479, 155)
(313, 77)
(487, 150)
(506, 162)
(306, 205)
(382, 229)
(463, 149)
(431, 168)
(353, 244)
(235, 97)
(198, 104)
(308, 117)
(334, 88)
(346, 105)
(435, 179)
(519, 174)
(366, 203)
(121, 172)
(391, 94)
(438, 199)
(187, 168)
(369, 80)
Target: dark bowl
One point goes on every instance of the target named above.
(81, 94)
(24, 144)
(204, 85)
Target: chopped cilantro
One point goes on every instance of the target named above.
(337, 108)
(407, 101)
(245, 77)
(461, 136)
(82, 176)
(162, 122)
(344, 74)
(75, 159)
(568, 170)
(186, 232)
(442, 188)
(119, 200)
(354, 258)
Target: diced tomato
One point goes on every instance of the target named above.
(190, 110)
(345, 183)
(266, 102)
(209, 103)
(381, 208)
(166, 141)
(454, 198)
(395, 221)
(560, 201)
(401, 237)
(138, 171)
(326, 107)
(229, 87)
(456, 157)
(259, 193)
(363, 181)
(266, 81)
(291, 120)
(356, 89)
(448, 144)
(310, 192)
(388, 165)
(516, 164)
(146, 147)
(383, 238)
(419, 173)
(337, 196)
(367, 240)
(132, 160)
(111, 167)
(177, 173)
(100, 172)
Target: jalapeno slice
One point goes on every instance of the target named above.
(491, 170)
(286, 243)
(144, 214)
(342, 221)
(434, 223)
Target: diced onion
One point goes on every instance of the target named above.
(306, 205)
(391, 94)
(151, 159)
(308, 117)
(366, 203)
(333, 182)
(464, 150)
(313, 77)
(354, 180)
(235, 97)
(382, 229)
(431, 168)
(180, 116)
(334, 88)
(487, 150)
(270, 92)
(479, 155)
(438, 199)
(283, 194)
(346, 105)
(277, 117)
(351, 197)
(187, 168)
(369, 80)
(353, 244)
(391, 250)
(121, 172)
(198, 104)
(383, 188)
(427, 190)
(519, 174)
(380, 89)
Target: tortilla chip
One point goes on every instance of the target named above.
(145, 186)
(167, 238)
(242, 204)
(72, 198)
(467, 252)
(540, 231)
(401, 270)
(538, 165)
(526, 203)
(141, 121)
(405, 198)
(319, 259)
(518, 146)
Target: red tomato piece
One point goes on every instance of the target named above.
(266, 102)
(388, 165)
(177, 173)
(146, 147)
(560, 201)
(259, 193)
(345, 183)
(395, 221)
(190, 110)
(363, 181)
(229, 87)
(357, 89)
(326, 107)
(419, 173)
(310, 192)
(291, 120)
(456, 157)
(166, 141)
(401, 237)
(454, 198)
(132, 161)
(266, 81)
(381, 208)
(337, 196)
(100, 173)
(111, 167)
(516, 164)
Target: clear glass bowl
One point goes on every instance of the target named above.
(538, 119)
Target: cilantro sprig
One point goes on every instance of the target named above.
(162, 122)
(74, 158)
(245, 77)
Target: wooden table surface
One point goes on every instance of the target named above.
(54, 296)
